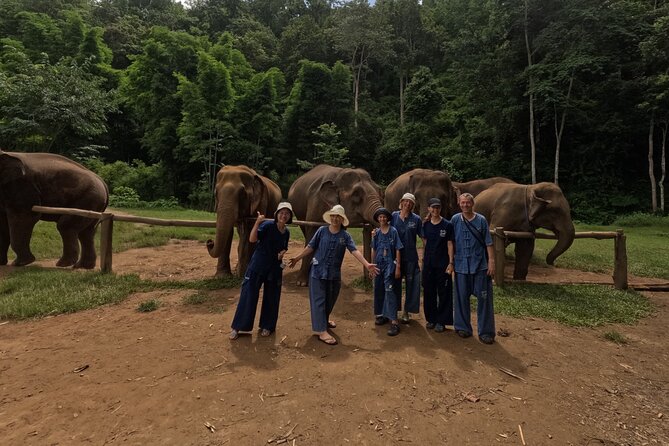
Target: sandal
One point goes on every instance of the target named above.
(234, 334)
(329, 340)
(265, 332)
(332, 324)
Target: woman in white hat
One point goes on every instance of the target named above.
(265, 269)
(328, 246)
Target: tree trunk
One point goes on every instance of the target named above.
(529, 66)
(401, 98)
(558, 133)
(651, 167)
(663, 164)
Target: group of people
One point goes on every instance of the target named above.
(457, 252)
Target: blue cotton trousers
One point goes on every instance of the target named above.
(248, 301)
(323, 294)
(437, 296)
(410, 272)
(385, 298)
(479, 285)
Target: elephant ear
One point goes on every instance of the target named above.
(329, 193)
(260, 198)
(536, 206)
(11, 168)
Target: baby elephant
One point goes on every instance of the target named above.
(45, 179)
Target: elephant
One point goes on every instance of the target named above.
(475, 187)
(321, 188)
(45, 179)
(519, 207)
(424, 184)
(240, 194)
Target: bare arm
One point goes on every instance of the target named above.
(371, 267)
(451, 257)
(253, 236)
(307, 250)
(491, 260)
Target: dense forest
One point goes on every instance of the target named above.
(156, 96)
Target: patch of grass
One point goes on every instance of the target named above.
(196, 299)
(615, 337)
(641, 219)
(34, 292)
(572, 305)
(148, 306)
(363, 283)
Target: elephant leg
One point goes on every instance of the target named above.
(4, 238)
(20, 232)
(524, 250)
(87, 241)
(69, 228)
(303, 276)
(245, 248)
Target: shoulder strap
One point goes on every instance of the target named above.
(475, 232)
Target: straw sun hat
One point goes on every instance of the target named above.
(337, 209)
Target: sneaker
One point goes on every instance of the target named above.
(439, 328)
(394, 330)
(463, 334)
(380, 320)
(487, 339)
(405, 318)
(429, 325)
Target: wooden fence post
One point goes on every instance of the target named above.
(499, 244)
(620, 261)
(366, 248)
(106, 235)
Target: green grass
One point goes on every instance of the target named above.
(36, 292)
(363, 283)
(197, 299)
(572, 305)
(148, 306)
(615, 337)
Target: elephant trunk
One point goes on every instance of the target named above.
(565, 239)
(226, 218)
(373, 205)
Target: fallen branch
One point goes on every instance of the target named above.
(510, 373)
(522, 437)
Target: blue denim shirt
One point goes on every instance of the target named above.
(469, 253)
(408, 230)
(436, 238)
(329, 252)
(385, 246)
(270, 242)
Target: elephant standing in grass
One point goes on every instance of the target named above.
(424, 184)
(45, 179)
(524, 208)
(321, 188)
(475, 187)
(240, 194)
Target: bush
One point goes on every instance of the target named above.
(640, 219)
(124, 197)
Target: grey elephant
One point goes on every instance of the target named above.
(519, 207)
(321, 188)
(424, 184)
(240, 194)
(45, 179)
(475, 187)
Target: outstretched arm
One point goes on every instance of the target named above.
(371, 267)
(308, 250)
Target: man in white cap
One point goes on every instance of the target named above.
(409, 227)
(328, 245)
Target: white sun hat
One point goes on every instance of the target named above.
(337, 209)
(284, 205)
(408, 196)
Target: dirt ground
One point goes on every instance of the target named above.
(172, 376)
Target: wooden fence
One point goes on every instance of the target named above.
(498, 234)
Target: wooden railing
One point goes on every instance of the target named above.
(499, 236)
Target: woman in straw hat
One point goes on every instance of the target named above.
(265, 269)
(328, 246)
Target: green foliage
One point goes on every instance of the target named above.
(641, 219)
(123, 196)
(573, 305)
(149, 181)
(148, 306)
(363, 283)
(197, 299)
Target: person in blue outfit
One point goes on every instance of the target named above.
(265, 269)
(474, 266)
(328, 245)
(386, 246)
(437, 268)
(409, 227)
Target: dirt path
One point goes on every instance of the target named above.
(157, 378)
